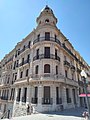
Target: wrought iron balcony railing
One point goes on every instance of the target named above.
(43, 56)
(4, 98)
(66, 63)
(78, 70)
(23, 63)
(47, 100)
(23, 99)
(49, 39)
(72, 67)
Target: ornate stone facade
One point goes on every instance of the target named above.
(42, 71)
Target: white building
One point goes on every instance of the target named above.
(42, 71)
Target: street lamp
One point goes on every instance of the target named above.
(84, 76)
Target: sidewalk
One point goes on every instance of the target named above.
(71, 114)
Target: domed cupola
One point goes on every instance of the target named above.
(46, 17)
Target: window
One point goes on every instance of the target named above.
(22, 61)
(38, 37)
(46, 68)
(21, 74)
(27, 72)
(36, 70)
(47, 20)
(19, 92)
(15, 76)
(67, 96)
(23, 47)
(55, 37)
(37, 54)
(28, 57)
(36, 92)
(56, 70)
(47, 35)
(66, 75)
(14, 65)
(24, 95)
(29, 44)
(55, 53)
(17, 63)
(18, 51)
(47, 52)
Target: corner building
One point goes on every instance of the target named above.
(43, 71)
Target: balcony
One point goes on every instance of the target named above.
(34, 100)
(10, 60)
(47, 76)
(73, 67)
(43, 56)
(52, 39)
(67, 49)
(78, 70)
(47, 101)
(58, 100)
(22, 80)
(66, 63)
(24, 49)
(71, 82)
(4, 98)
(23, 63)
(80, 83)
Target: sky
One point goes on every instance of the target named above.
(18, 19)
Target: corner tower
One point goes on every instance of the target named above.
(46, 17)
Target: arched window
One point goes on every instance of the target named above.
(46, 68)
(56, 70)
(47, 20)
(36, 70)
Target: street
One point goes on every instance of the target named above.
(71, 114)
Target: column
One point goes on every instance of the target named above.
(71, 96)
(77, 97)
(9, 93)
(16, 93)
(62, 71)
(64, 99)
(28, 95)
(40, 95)
(41, 68)
(53, 95)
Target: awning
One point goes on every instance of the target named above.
(84, 95)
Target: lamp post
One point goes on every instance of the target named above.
(84, 76)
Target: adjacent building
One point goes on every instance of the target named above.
(42, 71)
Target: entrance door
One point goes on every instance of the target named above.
(74, 97)
(46, 95)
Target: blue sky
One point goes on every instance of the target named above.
(18, 18)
